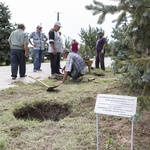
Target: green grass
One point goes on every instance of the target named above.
(75, 132)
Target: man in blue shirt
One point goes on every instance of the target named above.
(39, 40)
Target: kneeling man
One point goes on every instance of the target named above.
(75, 66)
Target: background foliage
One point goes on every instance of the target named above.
(5, 29)
(131, 46)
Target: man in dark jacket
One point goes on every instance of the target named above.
(100, 50)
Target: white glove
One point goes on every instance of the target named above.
(102, 51)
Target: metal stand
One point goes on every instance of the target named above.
(97, 130)
(132, 136)
(97, 133)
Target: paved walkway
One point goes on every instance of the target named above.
(6, 80)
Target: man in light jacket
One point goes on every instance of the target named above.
(18, 41)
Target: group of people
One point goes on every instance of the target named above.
(75, 66)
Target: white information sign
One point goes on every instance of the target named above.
(117, 105)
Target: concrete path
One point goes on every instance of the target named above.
(6, 80)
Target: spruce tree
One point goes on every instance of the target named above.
(132, 42)
(5, 29)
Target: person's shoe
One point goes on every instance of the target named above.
(59, 73)
(14, 78)
(79, 79)
(34, 70)
(23, 76)
(52, 77)
(39, 70)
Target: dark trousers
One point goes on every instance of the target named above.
(55, 63)
(17, 58)
(100, 60)
(75, 74)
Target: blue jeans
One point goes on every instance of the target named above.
(38, 56)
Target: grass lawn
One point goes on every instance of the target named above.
(33, 119)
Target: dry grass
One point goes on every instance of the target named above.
(75, 132)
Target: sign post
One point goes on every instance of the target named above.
(117, 105)
(132, 136)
